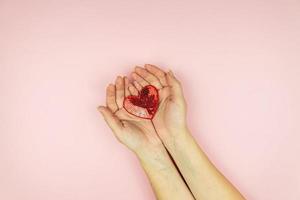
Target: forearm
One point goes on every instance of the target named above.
(163, 176)
(203, 178)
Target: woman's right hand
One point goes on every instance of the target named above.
(170, 119)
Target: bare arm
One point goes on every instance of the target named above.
(203, 178)
(164, 177)
(140, 137)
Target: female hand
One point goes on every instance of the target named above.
(202, 177)
(140, 136)
(170, 119)
(136, 133)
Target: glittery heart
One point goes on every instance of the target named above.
(145, 104)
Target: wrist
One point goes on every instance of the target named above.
(156, 157)
(177, 138)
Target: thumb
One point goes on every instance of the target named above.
(175, 85)
(112, 121)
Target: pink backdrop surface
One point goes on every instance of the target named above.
(239, 62)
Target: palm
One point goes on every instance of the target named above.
(136, 132)
(170, 116)
(132, 131)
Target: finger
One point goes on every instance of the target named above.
(133, 89)
(150, 78)
(126, 86)
(111, 97)
(160, 74)
(139, 79)
(120, 91)
(137, 85)
(175, 85)
(112, 121)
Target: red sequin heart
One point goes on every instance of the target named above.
(145, 104)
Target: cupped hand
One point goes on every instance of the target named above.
(136, 133)
(170, 119)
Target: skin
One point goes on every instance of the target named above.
(140, 137)
(173, 135)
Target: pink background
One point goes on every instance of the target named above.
(239, 62)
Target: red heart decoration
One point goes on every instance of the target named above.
(145, 104)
